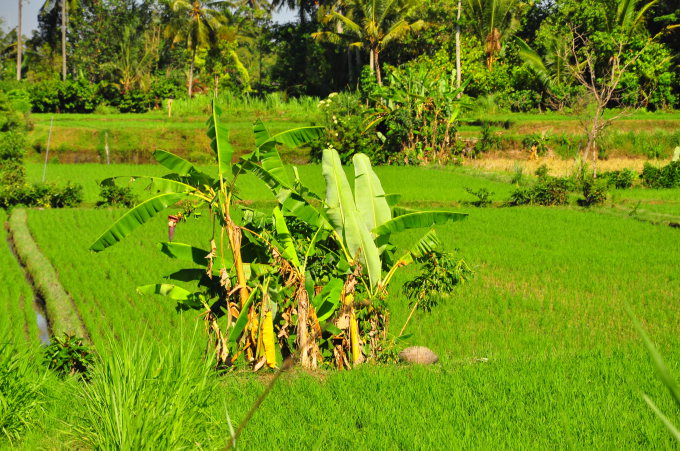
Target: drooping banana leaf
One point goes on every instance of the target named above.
(183, 297)
(327, 302)
(418, 220)
(345, 219)
(182, 251)
(166, 289)
(219, 141)
(242, 319)
(261, 133)
(173, 162)
(369, 195)
(270, 179)
(284, 238)
(292, 204)
(159, 184)
(135, 218)
(295, 137)
(392, 199)
(183, 170)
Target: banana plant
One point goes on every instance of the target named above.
(224, 275)
(307, 278)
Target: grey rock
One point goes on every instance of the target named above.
(419, 355)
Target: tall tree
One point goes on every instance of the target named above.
(52, 9)
(19, 43)
(493, 21)
(373, 24)
(195, 22)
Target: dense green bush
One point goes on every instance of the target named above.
(41, 195)
(594, 191)
(112, 195)
(622, 179)
(343, 115)
(664, 177)
(70, 96)
(548, 191)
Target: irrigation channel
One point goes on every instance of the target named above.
(38, 300)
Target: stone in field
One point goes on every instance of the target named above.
(418, 354)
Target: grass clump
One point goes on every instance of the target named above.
(21, 386)
(146, 396)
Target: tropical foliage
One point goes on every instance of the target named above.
(307, 279)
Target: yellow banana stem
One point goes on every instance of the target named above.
(354, 336)
(268, 339)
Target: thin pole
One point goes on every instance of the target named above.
(47, 152)
(106, 146)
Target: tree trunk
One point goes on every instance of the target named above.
(191, 74)
(458, 72)
(63, 40)
(19, 43)
(378, 75)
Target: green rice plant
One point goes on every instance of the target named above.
(21, 384)
(147, 397)
(666, 377)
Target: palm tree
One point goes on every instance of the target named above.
(373, 24)
(493, 21)
(197, 23)
(19, 43)
(49, 8)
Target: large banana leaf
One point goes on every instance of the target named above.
(160, 184)
(345, 218)
(295, 137)
(285, 239)
(135, 218)
(271, 180)
(418, 220)
(327, 302)
(183, 170)
(219, 141)
(173, 162)
(292, 204)
(242, 320)
(166, 289)
(261, 133)
(369, 194)
(185, 252)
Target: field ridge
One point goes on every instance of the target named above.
(63, 316)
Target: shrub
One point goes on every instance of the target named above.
(344, 120)
(664, 177)
(41, 195)
(594, 191)
(548, 191)
(622, 179)
(69, 356)
(483, 197)
(112, 195)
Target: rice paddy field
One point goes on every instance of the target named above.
(536, 351)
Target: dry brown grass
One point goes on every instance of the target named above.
(556, 165)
